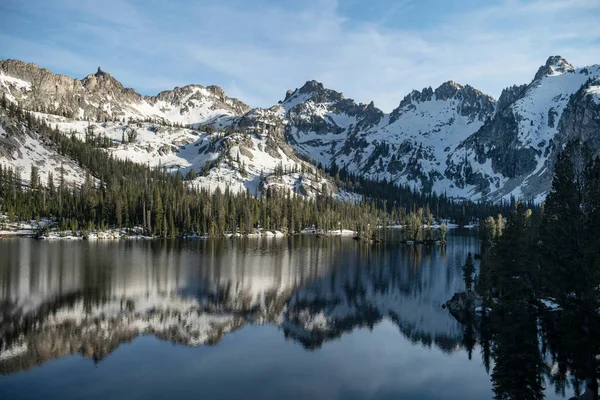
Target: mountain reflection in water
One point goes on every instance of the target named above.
(353, 320)
(81, 297)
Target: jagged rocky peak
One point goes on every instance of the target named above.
(451, 89)
(312, 86)
(473, 102)
(555, 65)
(370, 109)
(470, 101)
(301, 102)
(447, 90)
(316, 91)
(99, 96)
(239, 106)
(20, 69)
(103, 80)
(42, 78)
(176, 94)
(288, 94)
(417, 97)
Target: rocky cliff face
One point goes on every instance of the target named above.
(454, 139)
(319, 121)
(421, 133)
(97, 96)
(581, 118)
(100, 97)
(239, 152)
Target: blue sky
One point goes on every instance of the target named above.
(255, 50)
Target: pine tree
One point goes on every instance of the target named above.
(518, 367)
(157, 214)
(468, 271)
(563, 228)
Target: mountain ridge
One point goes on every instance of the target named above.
(453, 139)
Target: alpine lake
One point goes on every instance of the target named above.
(296, 317)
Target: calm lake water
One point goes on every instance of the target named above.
(272, 318)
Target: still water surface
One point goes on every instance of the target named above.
(295, 318)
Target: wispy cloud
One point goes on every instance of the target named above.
(257, 50)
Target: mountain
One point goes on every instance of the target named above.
(453, 139)
(150, 130)
(513, 153)
(409, 146)
(100, 97)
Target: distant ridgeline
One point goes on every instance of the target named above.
(536, 302)
(121, 193)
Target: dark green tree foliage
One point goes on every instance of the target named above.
(514, 260)
(469, 334)
(570, 260)
(563, 232)
(549, 254)
(468, 271)
(518, 368)
(518, 364)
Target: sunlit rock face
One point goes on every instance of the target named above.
(89, 298)
(99, 96)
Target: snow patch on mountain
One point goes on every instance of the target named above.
(229, 160)
(33, 153)
(595, 92)
(22, 150)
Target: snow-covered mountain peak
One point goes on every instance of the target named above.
(447, 90)
(514, 152)
(466, 100)
(195, 104)
(102, 76)
(312, 86)
(555, 65)
(311, 90)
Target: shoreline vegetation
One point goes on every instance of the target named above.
(48, 230)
